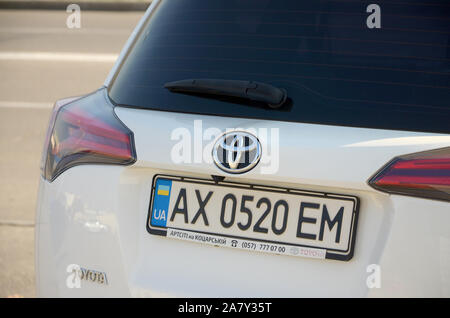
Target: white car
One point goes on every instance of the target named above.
(256, 149)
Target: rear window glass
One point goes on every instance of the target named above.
(340, 64)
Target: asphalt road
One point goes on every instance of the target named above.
(41, 60)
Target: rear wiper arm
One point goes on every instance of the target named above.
(274, 97)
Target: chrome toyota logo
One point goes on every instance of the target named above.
(236, 152)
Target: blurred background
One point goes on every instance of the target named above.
(42, 60)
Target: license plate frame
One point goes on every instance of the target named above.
(212, 238)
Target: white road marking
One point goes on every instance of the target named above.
(96, 31)
(59, 57)
(7, 104)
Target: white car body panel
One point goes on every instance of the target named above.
(101, 223)
(129, 42)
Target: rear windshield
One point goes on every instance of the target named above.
(342, 62)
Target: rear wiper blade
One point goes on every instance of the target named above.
(273, 96)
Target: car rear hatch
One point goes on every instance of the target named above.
(358, 96)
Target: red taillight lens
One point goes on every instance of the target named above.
(425, 174)
(86, 131)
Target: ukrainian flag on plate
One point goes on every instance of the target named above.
(161, 202)
(163, 190)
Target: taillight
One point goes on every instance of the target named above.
(86, 131)
(424, 174)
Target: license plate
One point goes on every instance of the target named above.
(254, 217)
